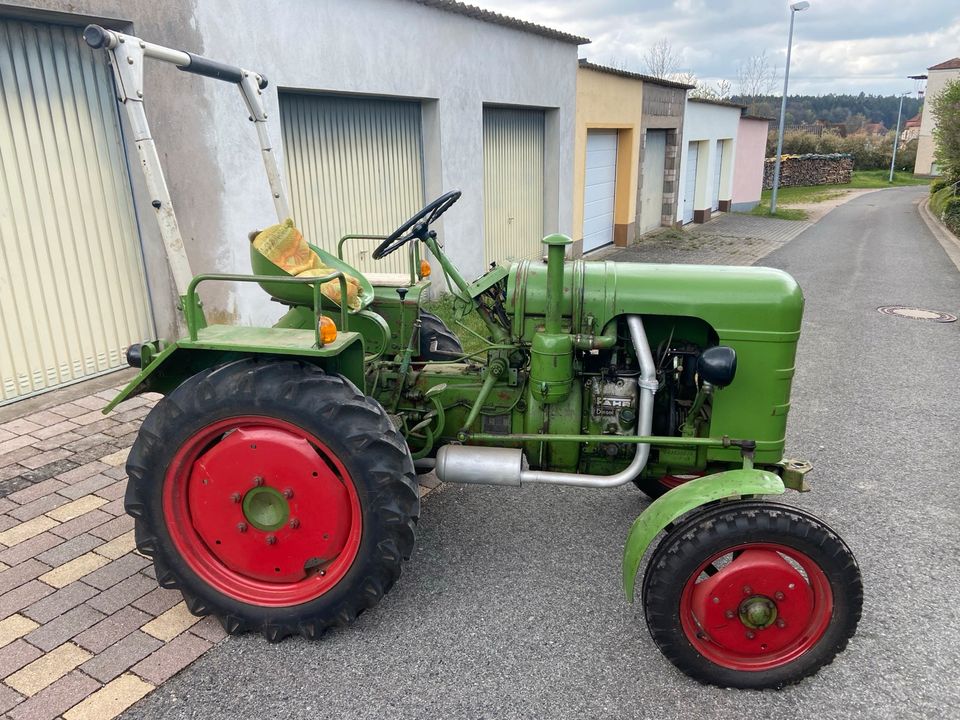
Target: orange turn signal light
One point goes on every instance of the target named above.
(424, 269)
(328, 331)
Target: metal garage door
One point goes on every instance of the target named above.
(690, 182)
(512, 184)
(654, 164)
(599, 188)
(717, 176)
(354, 165)
(72, 289)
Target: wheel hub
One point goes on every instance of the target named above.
(758, 612)
(268, 506)
(756, 606)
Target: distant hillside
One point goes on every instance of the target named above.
(850, 110)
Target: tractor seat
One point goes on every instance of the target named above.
(393, 280)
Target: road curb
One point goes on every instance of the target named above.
(949, 241)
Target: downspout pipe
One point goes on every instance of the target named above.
(648, 386)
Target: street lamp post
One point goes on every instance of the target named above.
(794, 9)
(896, 136)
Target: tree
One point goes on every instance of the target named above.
(720, 91)
(661, 59)
(946, 134)
(756, 76)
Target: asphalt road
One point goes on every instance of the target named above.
(512, 606)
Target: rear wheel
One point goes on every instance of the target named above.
(437, 341)
(752, 595)
(274, 496)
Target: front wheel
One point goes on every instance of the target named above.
(752, 595)
(274, 496)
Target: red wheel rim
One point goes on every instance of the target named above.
(262, 511)
(763, 609)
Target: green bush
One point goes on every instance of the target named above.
(951, 214)
(907, 156)
(938, 185)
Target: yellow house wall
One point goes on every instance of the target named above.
(608, 102)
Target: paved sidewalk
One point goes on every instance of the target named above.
(730, 239)
(85, 631)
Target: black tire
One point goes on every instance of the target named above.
(437, 341)
(684, 550)
(353, 427)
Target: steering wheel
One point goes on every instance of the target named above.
(417, 226)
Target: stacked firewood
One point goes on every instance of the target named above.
(833, 169)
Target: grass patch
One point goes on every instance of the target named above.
(870, 179)
(782, 213)
(442, 307)
(939, 200)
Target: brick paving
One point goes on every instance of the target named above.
(85, 631)
(730, 239)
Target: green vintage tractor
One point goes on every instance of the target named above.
(275, 484)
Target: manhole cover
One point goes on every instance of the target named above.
(914, 313)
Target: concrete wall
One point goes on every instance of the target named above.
(748, 164)
(663, 108)
(705, 123)
(368, 47)
(607, 101)
(936, 82)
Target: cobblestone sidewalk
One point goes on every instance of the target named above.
(85, 631)
(731, 239)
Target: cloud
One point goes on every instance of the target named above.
(839, 45)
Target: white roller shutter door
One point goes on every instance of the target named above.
(512, 184)
(651, 195)
(73, 294)
(599, 189)
(353, 166)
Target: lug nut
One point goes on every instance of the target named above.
(778, 595)
(747, 590)
(751, 635)
(294, 523)
(730, 614)
(781, 623)
(271, 539)
(257, 481)
(716, 601)
(241, 527)
(235, 498)
(288, 493)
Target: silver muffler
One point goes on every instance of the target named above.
(478, 465)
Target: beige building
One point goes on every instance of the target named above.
(628, 129)
(937, 78)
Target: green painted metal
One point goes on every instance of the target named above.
(266, 508)
(556, 249)
(414, 257)
(757, 311)
(218, 344)
(681, 500)
(551, 366)
(270, 276)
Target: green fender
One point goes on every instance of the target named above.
(684, 498)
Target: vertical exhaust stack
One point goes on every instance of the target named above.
(551, 354)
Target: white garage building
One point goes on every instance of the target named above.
(705, 181)
(377, 106)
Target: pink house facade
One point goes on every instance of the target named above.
(748, 163)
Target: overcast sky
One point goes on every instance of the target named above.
(838, 45)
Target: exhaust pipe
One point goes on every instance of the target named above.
(507, 466)
(478, 465)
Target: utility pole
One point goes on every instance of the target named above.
(896, 137)
(794, 9)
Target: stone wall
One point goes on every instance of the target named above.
(834, 169)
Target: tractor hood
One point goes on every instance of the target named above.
(737, 302)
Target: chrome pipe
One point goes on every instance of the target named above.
(648, 386)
